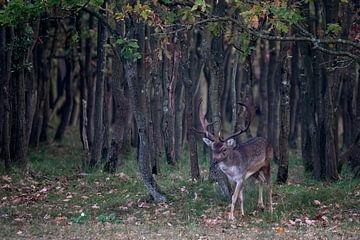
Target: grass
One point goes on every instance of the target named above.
(54, 201)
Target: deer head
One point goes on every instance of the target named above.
(221, 148)
(240, 160)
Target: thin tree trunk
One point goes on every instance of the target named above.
(294, 93)
(190, 86)
(156, 110)
(168, 110)
(89, 83)
(122, 114)
(263, 85)
(143, 156)
(214, 55)
(99, 93)
(67, 107)
(282, 174)
(6, 141)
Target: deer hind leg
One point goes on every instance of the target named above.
(260, 200)
(266, 171)
(234, 198)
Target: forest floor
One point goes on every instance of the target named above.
(54, 200)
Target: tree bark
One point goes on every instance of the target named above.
(294, 93)
(143, 156)
(99, 93)
(190, 85)
(263, 88)
(121, 118)
(8, 39)
(282, 174)
(168, 109)
(214, 55)
(19, 132)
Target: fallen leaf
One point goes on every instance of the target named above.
(325, 220)
(309, 221)
(317, 203)
(280, 230)
(59, 219)
(144, 205)
(337, 206)
(292, 222)
(95, 206)
(6, 178)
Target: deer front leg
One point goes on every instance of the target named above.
(241, 198)
(234, 198)
(260, 201)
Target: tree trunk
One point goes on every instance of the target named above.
(190, 85)
(122, 114)
(89, 83)
(99, 93)
(168, 110)
(143, 156)
(8, 39)
(178, 120)
(156, 110)
(294, 93)
(274, 70)
(282, 174)
(263, 88)
(67, 107)
(19, 131)
(214, 55)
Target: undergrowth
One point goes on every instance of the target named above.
(54, 190)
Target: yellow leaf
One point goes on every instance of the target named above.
(255, 21)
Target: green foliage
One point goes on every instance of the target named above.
(20, 11)
(333, 28)
(215, 28)
(244, 40)
(200, 5)
(23, 41)
(107, 218)
(129, 48)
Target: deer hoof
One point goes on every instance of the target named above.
(261, 206)
(231, 217)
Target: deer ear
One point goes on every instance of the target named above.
(208, 141)
(231, 142)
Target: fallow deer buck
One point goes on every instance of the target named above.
(240, 161)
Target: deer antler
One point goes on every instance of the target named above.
(205, 124)
(248, 125)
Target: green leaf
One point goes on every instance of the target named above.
(333, 28)
(133, 44)
(102, 218)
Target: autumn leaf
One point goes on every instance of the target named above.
(255, 21)
(280, 230)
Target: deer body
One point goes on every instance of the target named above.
(240, 161)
